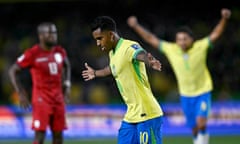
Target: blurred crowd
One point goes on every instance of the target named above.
(18, 32)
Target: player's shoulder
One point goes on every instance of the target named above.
(59, 47)
(60, 50)
(132, 44)
(33, 49)
(201, 39)
(129, 41)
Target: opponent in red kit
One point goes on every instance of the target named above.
(50, 72)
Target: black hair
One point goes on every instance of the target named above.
(104, 23)
(187, 30)
(43, 24)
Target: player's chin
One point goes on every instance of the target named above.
(51, 43)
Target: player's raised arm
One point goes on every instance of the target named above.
(219, 28)
(90, 73)
(146, 35)
(24, 102)
(149, 60)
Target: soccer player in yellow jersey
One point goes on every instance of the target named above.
(143, 120)
(187, 57)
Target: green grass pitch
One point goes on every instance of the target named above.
(166, 140)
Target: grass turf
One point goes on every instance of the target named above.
(166, 140)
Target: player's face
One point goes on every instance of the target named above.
(49, 35)
(184, 40)
(103, 39)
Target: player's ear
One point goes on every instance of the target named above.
(111, 36)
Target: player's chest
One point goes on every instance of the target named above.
(118, 63)
(49, 63)
(187, 60)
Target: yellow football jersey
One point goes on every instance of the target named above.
(132, 82)
(190, 67)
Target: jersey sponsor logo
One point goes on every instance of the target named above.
(42, 59)
(58, 57)
(135, 46)
(20, 58)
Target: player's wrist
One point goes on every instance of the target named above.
(135, 25)
(94, 73)
(67, 83)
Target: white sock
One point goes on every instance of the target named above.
(206, 138)
(195, 140)
(201, 139)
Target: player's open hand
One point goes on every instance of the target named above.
(132, 21)
(23, 101)
(88, 74)
(226, 13)
(154, 63)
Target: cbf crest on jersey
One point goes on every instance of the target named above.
(58, 57)
(136, 46)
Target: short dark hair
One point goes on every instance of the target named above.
(187, 30)
(104, 23)
(43, 24)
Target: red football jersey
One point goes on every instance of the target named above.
(46, 67)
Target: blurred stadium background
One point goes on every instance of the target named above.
(96, 108)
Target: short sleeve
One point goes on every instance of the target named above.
(64, 53)
(25, 60)
(133, 50)
(204, 43)
(165, 46)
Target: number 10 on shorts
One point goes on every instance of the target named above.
(143, 138)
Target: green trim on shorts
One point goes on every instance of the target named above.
(153, 139)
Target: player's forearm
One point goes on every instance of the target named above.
(146, 35)
(218, 30)
(149, 60)
(142, 56)
(15, 84)
(102, 72)
(13, 79)
(67, 80)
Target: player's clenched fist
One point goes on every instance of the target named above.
(226, 13)
(132, 21)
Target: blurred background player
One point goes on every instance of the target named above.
(187, 57)
(48, 63)
(143, 120)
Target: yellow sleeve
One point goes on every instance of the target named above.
(204, 43)
(165, 46)
(133, 50)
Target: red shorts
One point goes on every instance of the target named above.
(45, 115)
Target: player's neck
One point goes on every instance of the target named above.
(116, 40)
(44, 47)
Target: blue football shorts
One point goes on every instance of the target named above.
(146, 132)
(193, 107)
